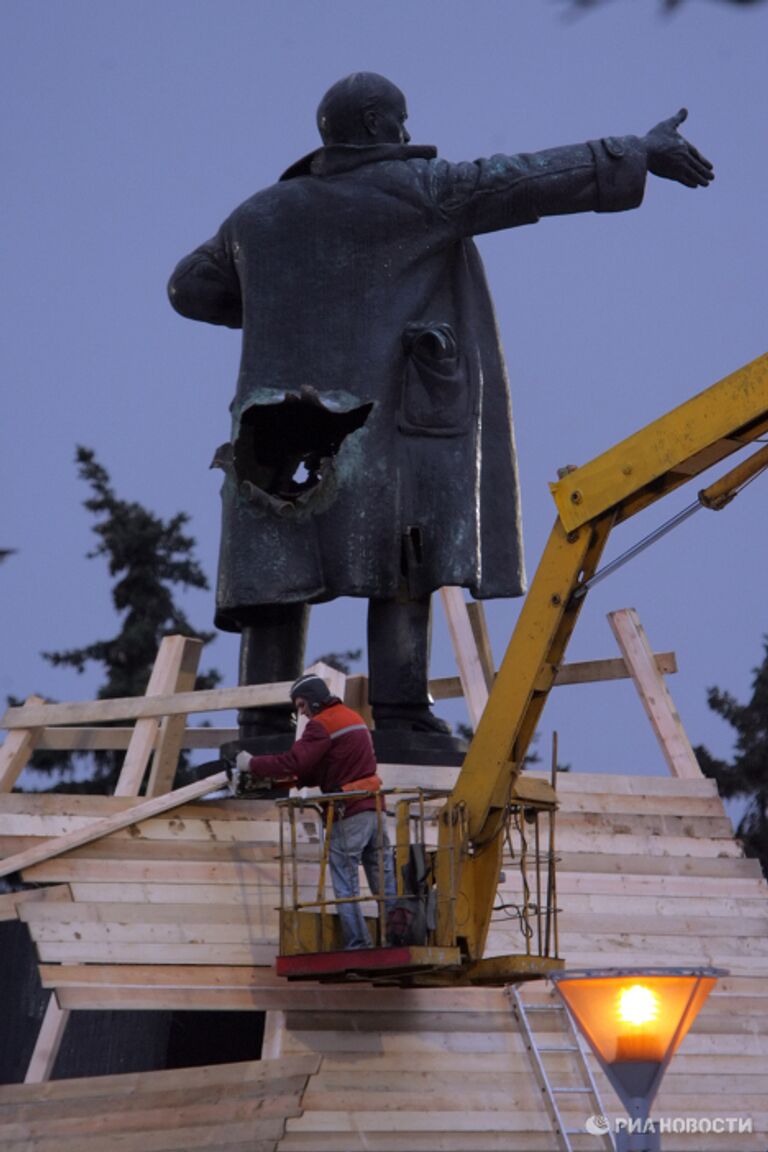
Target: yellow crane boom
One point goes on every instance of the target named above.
(590, 501)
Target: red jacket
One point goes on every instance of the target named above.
(335, 749)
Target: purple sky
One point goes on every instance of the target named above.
(131, 129)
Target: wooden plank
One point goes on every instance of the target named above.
(17, 748)
(631, 921)
(476, 614)
(96, 998)
(162, 682)
(133, 815)
(356, 696)
(48, 1043)
(64, 869)
(630, 886)
(136, 707)
(149, 1119)
(250, 1135)
(658, 866)
(654, 694)
(268, 1096)
(274, 1030)
(480, 1142)
(573, 842)
(10, 901)
(149, 852)
(95, 952)
(133, 1084)
(90, 739)
(577, 672)
(124, 915)
(465, 650)
(421, 1120)
(165, 759)
(665, 908)
(59, 804)
(716, 827)
(223, 895)
(594, 671)
(610, 784)
(222, 831)
(572, 804)
(400, 1141)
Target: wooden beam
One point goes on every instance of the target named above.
(113, 739)
(17, 748)
(476, 613)
(99, 828)
(356, 696)
(578, 672)
(48, 1043)
(274, 1031)
(471, 674)
(592, 671)
(654, 694)
(134, 707)
(163, 681)
(10, 901)
(165, 761)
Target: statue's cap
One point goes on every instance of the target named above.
(339, 111)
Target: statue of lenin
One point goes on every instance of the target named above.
(372, 449)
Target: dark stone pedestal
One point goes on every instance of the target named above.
(401, 746)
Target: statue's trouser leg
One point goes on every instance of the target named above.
(271, 649)
(399, 634)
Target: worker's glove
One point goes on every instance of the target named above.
(243, 761)
(244, 782)
(241, 779)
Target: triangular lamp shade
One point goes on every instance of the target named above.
(635, 1020)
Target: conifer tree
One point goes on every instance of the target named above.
(747, 775)
(150, 559)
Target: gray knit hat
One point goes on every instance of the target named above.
(314, 690)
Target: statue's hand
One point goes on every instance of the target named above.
(671, 156)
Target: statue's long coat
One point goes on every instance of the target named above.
(328, 272)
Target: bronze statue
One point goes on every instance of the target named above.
(372, 450)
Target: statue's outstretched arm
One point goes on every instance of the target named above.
(672, 157)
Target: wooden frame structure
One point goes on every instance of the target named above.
(163, 902)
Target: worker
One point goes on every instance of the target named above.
(335, 753)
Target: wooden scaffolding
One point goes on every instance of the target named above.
(168, 901)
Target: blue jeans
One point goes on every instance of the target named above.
(355, 841)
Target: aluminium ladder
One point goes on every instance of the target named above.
(558, 1018)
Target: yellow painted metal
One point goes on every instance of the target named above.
(402, 842)
(590, 501)
(546, 621)
(510, 969)
(719, 494)
(529, 790)
(711, 425)
(302, 932)
(483, 789)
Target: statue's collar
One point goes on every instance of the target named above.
(337, 158)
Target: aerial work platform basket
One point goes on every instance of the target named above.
(408, 944)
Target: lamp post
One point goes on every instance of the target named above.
(634, 1020)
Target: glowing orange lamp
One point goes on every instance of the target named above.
(634, 1020)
